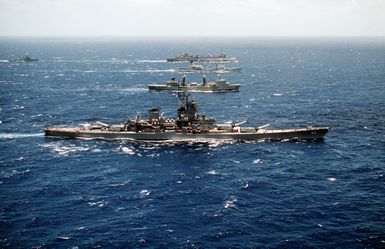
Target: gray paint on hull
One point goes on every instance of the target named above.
(289, 134)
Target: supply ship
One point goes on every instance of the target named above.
(219, 69)
(188, 125)
(173, 85)
(222, 58)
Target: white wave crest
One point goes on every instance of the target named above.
(134, 89)
(126, 150)
(212, 172)
(101, 203)
(230, 203)
(64, 237)
(151, 61)
(65, 150)
(159, 70)
(144, 193)
(19, 135)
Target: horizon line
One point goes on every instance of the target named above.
(190, 36)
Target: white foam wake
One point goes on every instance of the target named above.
(151, 61)
(19, 135)
(62, 150)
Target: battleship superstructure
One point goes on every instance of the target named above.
(188, 125)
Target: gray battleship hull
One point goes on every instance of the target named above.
(314, 133)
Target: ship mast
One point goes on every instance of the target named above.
(183, 98)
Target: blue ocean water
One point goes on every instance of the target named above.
(96, 194)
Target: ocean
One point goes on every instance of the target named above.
(58, 193)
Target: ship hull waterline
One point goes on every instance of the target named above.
(302, 134)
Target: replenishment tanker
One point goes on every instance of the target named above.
(187, 126)
(173, 85)
(207, 58)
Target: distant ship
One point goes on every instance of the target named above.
(201, 69)
(208, 58)
(26, 58)
(189, 125)
(173, 85)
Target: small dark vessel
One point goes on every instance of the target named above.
(26, 58)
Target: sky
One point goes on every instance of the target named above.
(163, 18)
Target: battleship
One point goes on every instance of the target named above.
(208, 58)
(188, 125)
(173, 85)
(201, 69)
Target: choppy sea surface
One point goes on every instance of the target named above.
(97, 194)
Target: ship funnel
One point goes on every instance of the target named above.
(153, 114)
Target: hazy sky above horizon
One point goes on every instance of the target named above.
(192, 18)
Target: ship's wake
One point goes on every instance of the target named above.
(151, 61)
(19, 135)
